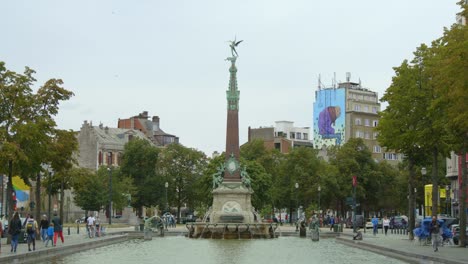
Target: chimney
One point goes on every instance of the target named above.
(144, 114)
(106, 129)
(155, 123)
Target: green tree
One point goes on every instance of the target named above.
(300, 166)
(181, 167)
(139, 163)
(451, 60)
(89, 190)
(403, 120)
(27, 126)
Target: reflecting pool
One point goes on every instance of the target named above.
(283, 250)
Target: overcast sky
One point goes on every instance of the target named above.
(168, 57)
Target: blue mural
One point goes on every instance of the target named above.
(329, 117)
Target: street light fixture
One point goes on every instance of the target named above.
(167, 202)
(447, 196)
(297, 206)
(49, 188)
(423, 173)
(319, 189)
(110, 195)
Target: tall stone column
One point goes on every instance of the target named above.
(232, 171)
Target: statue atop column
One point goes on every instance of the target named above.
(233, 44)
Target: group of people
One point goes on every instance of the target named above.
(48, 231)
(93, 226)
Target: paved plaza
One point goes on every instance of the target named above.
(393, 245)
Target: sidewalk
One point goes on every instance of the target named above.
(72, 239)
(396, 245)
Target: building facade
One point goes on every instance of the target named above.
(151, 128)
(284, 136)
(99, 145)
(347, 111)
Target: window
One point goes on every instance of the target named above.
(376, 134)
(306, 136)
(366, 108)
(374, 110)
(357, 121)
(377, 149)
(357, 107)
(298, 135)
(390, 156)
(375, 123)
(359, 134)
(366, 122)
(292, 135)
(277, 146)
(367, 135)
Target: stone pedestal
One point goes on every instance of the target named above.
(232, 204)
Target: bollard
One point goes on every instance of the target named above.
(78, 228)
(68, 230)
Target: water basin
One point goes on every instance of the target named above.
(283, 250)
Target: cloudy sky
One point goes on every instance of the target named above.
(167, 57)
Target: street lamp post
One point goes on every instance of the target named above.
(354, 203)
(319, 189)
(423, 173)
(297, 206)
(49, 190)
(110, 195)
(447, 195)
(167, 202)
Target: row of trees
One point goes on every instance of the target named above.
(427, 115)
(145, 170)
(29, 137)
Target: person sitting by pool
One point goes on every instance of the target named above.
(358, 235)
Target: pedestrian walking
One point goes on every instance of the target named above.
(14, 229)
(31, 230)
(50, 235)
(58, 231)
(386, 224)
(435, 229)
(91, 226)
(44, 224)
(98, 227)
(332, 222)
(375, 224)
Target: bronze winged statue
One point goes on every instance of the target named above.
(233, 44)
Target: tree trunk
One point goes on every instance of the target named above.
(38, 197)
(62, 193)
(9, 199)
(411, 198)
(435, 183)
(462, 203)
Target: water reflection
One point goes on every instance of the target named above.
(284, 250)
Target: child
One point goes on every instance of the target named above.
(50, 235)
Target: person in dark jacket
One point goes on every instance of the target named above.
(57, 228)
(14, 229)
(44, 225)
(435, 229)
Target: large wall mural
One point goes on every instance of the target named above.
(329, 117)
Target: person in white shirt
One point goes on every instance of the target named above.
(91, 222)
(385, 224)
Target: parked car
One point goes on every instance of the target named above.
(397, 222)
(80, 220)
(369, 223)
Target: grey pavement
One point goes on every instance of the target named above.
(398, 244)
(73, 239)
